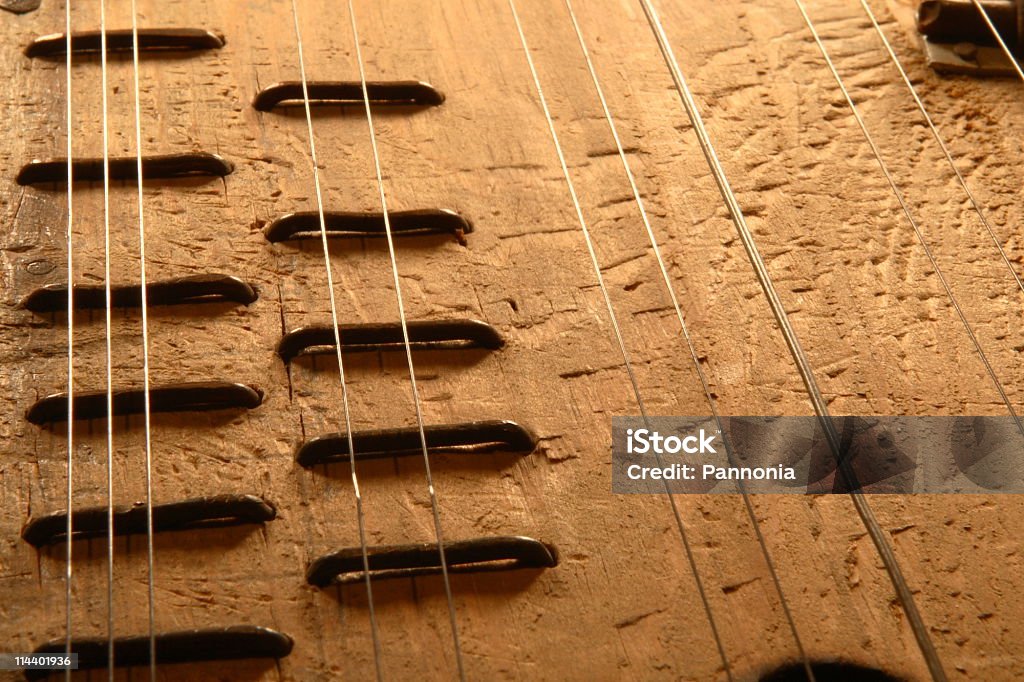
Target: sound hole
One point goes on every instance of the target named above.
(828, 672)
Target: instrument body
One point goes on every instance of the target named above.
(622, 602)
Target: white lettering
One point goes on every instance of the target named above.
(643, 441)
(776, 473)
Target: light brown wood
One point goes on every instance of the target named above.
(623, 603)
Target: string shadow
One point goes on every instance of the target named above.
(412, 465)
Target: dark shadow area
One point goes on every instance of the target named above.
(432, 587)
(355, 111)
(374, 361)
(94, 550)
(831, 671)
(412, 466)
(207, 419)
(341, 245)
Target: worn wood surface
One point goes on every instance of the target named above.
(623, 603)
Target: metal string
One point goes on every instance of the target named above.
(617, 332)
(145, 351)
(377, 658)
(71, 342)
(906, 210)
(109, 354)
(999, 38)
(874, 529)
(686, 335)
(942, 145)
(924, 640)
(408, 348)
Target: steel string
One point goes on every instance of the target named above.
(705, 384)
(924, 640)
(913, 222)
(618, 335)
(408, 347)
(999, 38)
(147, 411)
(109, 353)
(360, 516)
(942, 144)
(860, 503)
(71, 343)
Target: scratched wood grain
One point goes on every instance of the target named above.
(623, 603)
